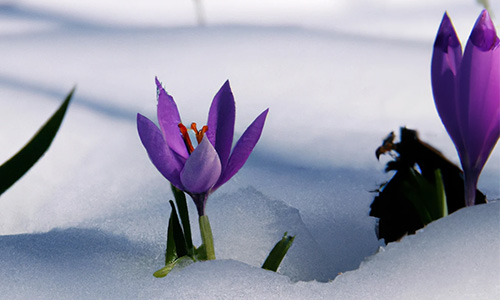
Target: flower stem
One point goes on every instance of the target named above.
(470, 188)
(206, 236)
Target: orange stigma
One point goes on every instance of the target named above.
(185, 135)
(199, 133)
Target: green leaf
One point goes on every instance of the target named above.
(178, 235)
(180, 201)
(441, 206)
(428, 197)
(19, 164)
(417, 189)
(170, 253)
(165, 270)
(170, 266)
(279, 251)
(201, 253)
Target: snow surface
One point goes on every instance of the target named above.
(89, 220)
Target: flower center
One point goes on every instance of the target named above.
(187, 139)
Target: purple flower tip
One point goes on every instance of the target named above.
(446, 36)
(226, 92)
(484, 35)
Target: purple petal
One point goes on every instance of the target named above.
(202, 169)
(221, 123)
(159, 153)
(479, 99)
(483, 35)
(169, 119)
(446, 60)
(446, 37)
(243, 148)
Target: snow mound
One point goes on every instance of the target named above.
(457, 257)
(453, 258)
(247, 225)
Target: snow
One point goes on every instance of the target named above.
(89, 220)
(453, 258)
(406, 270)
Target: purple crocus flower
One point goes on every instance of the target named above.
(200, 170)
(467, 94)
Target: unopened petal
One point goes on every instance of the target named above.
(202, 169)
(446, 37)
(446, 61)
(221, 123)
(158, 151)
(169, 119)
(479, 101)
(243, 148)
(483, 35)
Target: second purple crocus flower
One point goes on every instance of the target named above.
(200, 170)
(467, 94)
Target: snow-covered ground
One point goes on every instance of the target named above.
(89, 220)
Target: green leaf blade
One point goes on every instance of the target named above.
(170, 266)
(13, 169)
(178, 235)
(427, 197)
(165, 270)
(180, 201)
(441, 210)
(277, 254)
(170, 252)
